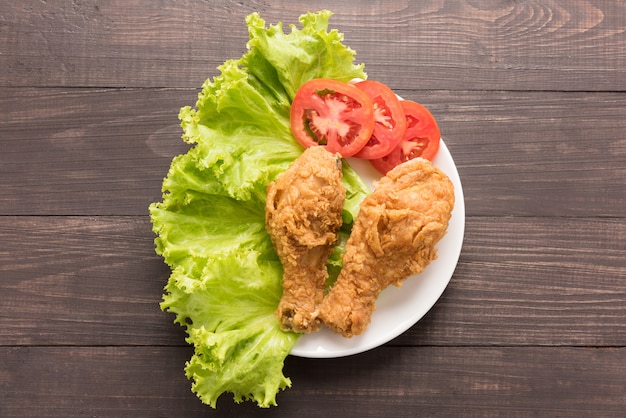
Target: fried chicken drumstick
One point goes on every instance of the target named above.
(302, 216)
(393, 237)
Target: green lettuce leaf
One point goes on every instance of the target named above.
(226, 278)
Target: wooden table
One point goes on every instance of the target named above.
(530, 97)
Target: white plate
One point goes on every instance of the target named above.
(398, 308)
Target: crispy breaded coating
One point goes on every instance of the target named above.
(393, 237)
(302, 216)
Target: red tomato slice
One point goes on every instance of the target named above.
(332, 114)
(390, 123)
(421, 139)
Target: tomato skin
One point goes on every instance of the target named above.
(422, 138)
(332, 114)
(390, 122)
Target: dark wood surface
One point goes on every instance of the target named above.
(531, 100)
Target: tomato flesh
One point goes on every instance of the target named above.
(389, 120)
(367, 121)
(421, 139)
(332, 114)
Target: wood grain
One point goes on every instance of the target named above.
(82, 280)
(533, 281)
(77, 151)
(464, 45)
(520, 281)
(105, 152)
(428, 381)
